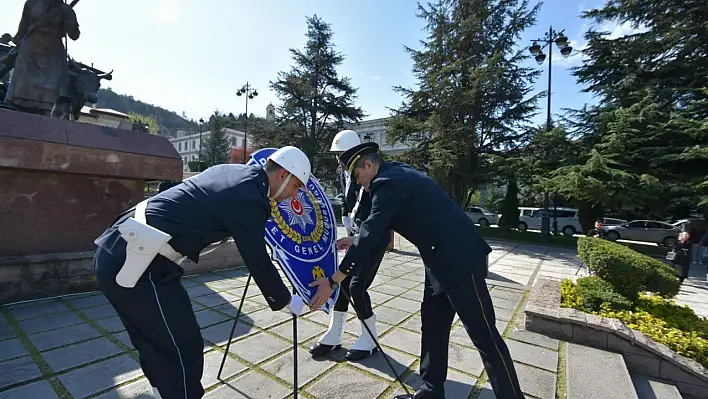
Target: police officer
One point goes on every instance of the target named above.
(355, 209)
(455, 265)
(138, 259)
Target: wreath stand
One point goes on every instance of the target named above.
(295, 370)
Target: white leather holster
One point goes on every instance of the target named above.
(144, 242)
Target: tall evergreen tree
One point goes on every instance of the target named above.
(216, 148)
(315, 101)
(649, 128)
(473, 97)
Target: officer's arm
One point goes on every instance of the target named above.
(247, 226)
(386, 201)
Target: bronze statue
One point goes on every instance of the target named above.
(40, 73)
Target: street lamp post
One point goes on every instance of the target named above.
(201, 125)
(536, 49)
(250, 92)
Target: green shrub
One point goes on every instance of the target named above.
(594, 291)
(627, 270)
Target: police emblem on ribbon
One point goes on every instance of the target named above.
(302, 235)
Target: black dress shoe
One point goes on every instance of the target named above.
(354, 355)
(318, 350)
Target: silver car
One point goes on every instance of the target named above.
(644, 230)
(482, 216)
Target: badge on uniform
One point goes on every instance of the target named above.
(302, 236)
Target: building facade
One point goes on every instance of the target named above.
(187, 143)
(374, 130)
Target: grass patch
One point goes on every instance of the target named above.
(561, 388)
(559, 240)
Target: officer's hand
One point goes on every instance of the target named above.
(324, 291)
(345, 243)
(296, 305)
(347, 223)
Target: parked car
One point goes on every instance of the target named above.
(482, 216)
(613, 221)
(566, 218)
(654, 231)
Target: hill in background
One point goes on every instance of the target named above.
(169, 121)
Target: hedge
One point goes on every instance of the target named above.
(628, 271)
(595, 291)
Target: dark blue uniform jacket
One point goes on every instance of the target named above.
(416, 207)
(223, 201)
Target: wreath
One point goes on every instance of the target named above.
(289, 231)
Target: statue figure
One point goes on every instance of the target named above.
(40, 75)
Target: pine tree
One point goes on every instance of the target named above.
(316, 101)
(649, 129)
(473, 97)
(216, 148)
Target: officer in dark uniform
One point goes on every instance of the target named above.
(355, 209)
(138, 259)
(455, 265)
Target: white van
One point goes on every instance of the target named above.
(567, 219)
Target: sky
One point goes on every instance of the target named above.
(192, 56)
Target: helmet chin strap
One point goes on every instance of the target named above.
(282, 186)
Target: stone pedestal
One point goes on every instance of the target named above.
(61, 184)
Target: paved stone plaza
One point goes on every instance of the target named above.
(76, 347)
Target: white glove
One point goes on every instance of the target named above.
(348, 224)
(296, 305)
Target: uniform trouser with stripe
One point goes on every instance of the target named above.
(158, 316)
(357, 284)
(470, 299)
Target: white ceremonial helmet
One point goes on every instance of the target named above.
(345, 140)
(294, 161)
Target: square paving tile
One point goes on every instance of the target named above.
(217, 299)
(99, 312)
(35, 390)
(100, 376)
(267, 318)
(413, 324)
(538, 383)
(376, 363)
(6, 330)
(17, 371)
(258, 348)
(53, 321)
(403, 282)
(389, 289)
(413, 295)
(534, 338)
(208, 317)
(212, 362)
(251, 385)
(390, 315)
(88, 301)
(11, 348)
(403, 304)
(38, 309)
(124, 338)
(378, 298)
(231, 309)
(111, 324)
(308, 368)
(345, 383)
(465, 359)
(305, 330)
(403, 340)
(140, 389)
(199, 290)
(504, 303)
(76, 355)
(219, 334)
(533, 355)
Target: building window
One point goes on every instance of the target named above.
(194, 144)
(233, 142)
(180, 146)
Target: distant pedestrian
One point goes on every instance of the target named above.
(598, 231)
